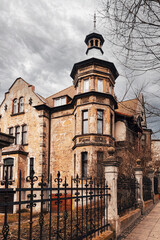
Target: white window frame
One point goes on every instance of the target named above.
(15, 106)
(59, 101)
(100, 85)
(86, 85)
(21, 104)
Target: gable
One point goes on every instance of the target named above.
(20, 88)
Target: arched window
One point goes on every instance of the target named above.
(91, 42)
(8, 168)
(15, 106)
(21, 104)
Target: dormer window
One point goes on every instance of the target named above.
(21, 104)
(59, 101)
(15, 106)
(86, 85)
(100, 85)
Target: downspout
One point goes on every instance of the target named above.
(49, 145)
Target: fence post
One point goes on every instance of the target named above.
(139, 177)
(151, 177)
(111, 165)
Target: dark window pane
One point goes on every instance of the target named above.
(84, 164)
(111, 124)
(31, 165)
(8, 162)
(24, 134)
(85, 122)
(99, 114)
(100, 121)
(8, 168)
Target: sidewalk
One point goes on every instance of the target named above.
(148, 228)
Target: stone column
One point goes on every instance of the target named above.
(151, 177)
(92, 83)
(158, 176)
(111, 174)
(139, 177)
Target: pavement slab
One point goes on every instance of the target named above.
(148, 228)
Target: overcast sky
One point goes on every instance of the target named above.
(41, 40)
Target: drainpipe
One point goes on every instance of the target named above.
(49, 145)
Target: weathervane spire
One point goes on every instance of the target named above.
(94, 21)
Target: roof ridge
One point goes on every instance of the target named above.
(129, 100)
(59, 91)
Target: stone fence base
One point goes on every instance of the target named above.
(129, 219)
(107, 235)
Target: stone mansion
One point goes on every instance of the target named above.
(71, 131)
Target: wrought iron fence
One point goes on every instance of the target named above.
(147, 188)
(126, 193)
(55, 210)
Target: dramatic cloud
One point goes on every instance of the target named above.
(41, 40)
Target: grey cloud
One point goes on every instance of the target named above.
(41, 40)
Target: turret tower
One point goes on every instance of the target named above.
(95, 105)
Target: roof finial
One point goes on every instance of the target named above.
(94, 21)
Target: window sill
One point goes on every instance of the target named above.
(26, 144)
(15, 114)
